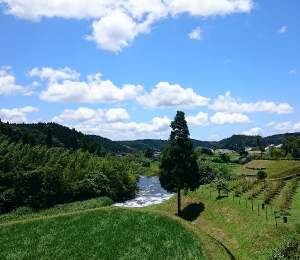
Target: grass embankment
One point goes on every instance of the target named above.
(242, 231)
(274, 169)
(102, 234)
(24, 213)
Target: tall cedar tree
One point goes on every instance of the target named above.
(178, 168)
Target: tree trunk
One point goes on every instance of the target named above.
(178, 201)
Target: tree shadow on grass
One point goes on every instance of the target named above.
(221, 197)
(192, 211)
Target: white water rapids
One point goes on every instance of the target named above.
(150, 192)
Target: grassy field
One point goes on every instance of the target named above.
(102, 234)
(154, 166)
(152, 171)
(274, 169)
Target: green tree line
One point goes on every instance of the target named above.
(41, 176)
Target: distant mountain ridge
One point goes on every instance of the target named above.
(73, 139)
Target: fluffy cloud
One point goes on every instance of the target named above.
(230, 105)
(282, 29)
(287, 126)
(117, 23)
(8, 84)
(54, 75)
(209, 8)
(95, 90)
(82, 114)
(171, 96)
(91, 117)
(297, 126)
(116, 115)
(156, 128)
(116, 31)
(254, 131)
(221, 118)
(16, 115)
(201, 119)
(196, 34)
(284, 126)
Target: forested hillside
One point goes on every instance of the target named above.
(61, 136)
(158, 144)
(236, 141)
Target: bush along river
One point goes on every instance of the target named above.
(150, 192)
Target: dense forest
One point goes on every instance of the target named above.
(39, 169)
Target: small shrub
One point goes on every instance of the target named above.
(261, 175)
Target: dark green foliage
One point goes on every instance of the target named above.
(224, 157)
(242, 152)
(204, 150)
(49, 139)
(261, 175)
(291, 145)
(149, 152)
(41, 176)
(207, 172)
(178, 168)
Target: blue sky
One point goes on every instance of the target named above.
(121, 69)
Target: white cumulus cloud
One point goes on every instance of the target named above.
(54, 75)
(230, 105)
(16, 115)
(63, 86)
(116, 31)
(8, 86)
(171, 96)
(82, 114)
(221, 118)
(209, 8)
(201, 119)
(157, 128)
(288, 126)
(116, 115)
(116, 23)
(254, 131)
(285, 126)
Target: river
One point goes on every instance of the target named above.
(150, 193)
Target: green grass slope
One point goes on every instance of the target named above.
(274, 169)
(233, 223)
